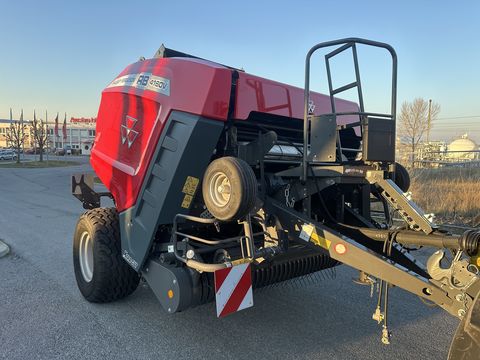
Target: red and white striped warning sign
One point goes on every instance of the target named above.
(233, 289)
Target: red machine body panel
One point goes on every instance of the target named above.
(267, 96)
(133, 111)
(136, 104)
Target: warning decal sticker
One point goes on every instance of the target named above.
(189, 189)
(309, 234)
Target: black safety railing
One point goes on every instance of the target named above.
(348, 43)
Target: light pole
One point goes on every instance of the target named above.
(429, 124)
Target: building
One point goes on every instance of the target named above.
(432, 151)
(80, 133)
(459, 152)
(463, 149)
(5, 129)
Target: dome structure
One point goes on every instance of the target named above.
(459, 148)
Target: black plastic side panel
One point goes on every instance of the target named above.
(182, 155)
(379, 140)
(162, 278)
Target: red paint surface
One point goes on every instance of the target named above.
(267, 96)
(196, 86)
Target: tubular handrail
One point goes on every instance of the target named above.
(346, 43)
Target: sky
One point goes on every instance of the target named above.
(59, 55)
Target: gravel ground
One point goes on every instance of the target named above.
(43, 316)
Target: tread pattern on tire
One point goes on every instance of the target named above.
(402, 177)
(113, 278)
(250, 194)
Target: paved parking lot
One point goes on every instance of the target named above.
(43, 316)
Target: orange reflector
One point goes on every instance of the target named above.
(340, 249)
(475, 260)
(170, 293)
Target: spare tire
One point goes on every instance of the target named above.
(229, 188)
(402, 178)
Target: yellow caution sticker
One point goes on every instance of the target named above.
(189, 189)
(309, 233)
(190, 185)
(187, 200)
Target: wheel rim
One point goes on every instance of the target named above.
(220, 189)
(86, 256)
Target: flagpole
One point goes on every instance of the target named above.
(24, 137)
(10, 126)
(23, 133)
(56, 134)
(46, 124)
(34, 137)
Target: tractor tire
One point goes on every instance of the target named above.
(466, 341)
(229, 188)
(402, 178)
(101, 273)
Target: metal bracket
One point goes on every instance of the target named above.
(456, 276)
(83, 190)
(457, 280)
(408, 210)
(323, 138)
(254, 151)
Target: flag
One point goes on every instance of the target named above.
(64, 128)
(56, 125)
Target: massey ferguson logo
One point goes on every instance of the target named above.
(128, 134)
(311, 107)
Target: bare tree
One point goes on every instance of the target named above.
(39, 134)
(416, 118)
(16, 135)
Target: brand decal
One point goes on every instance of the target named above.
(144, 81)
(129, 259)
(311, 107)
(127, 132)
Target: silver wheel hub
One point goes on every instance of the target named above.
(219, 189)
(85, 256)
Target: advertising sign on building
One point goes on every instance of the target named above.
(83, 120)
